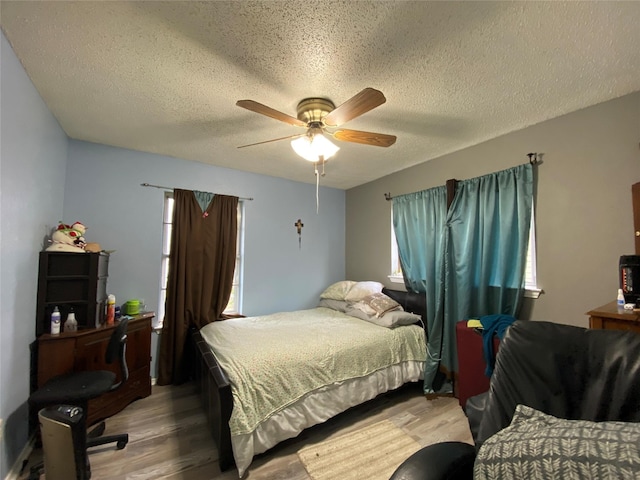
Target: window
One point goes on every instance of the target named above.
(530, 272)
(396, 270)
(235, 300)
(530, 277)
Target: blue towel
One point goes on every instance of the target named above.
(493, 325)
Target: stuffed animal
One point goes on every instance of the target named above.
(68, 238)
(92, 247)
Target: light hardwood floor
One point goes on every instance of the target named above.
(168, 438)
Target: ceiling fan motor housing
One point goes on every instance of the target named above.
(312, 110)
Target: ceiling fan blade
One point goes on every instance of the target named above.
(270, 112)
(274, 140)
(366, 138)
(366, 100)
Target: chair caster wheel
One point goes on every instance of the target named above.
(121, 445)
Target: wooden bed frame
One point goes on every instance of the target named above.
(215, 390)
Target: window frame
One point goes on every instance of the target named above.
(531, 289)
(236, 292)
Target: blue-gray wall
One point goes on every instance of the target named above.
(47, 178)
(279, 274)
(33, 157)
(104, 193)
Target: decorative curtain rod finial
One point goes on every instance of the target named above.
(387, 196)
(535, 158)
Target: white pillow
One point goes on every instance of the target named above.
(338, 290)
(363, 289)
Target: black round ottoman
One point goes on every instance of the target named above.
(446, 461)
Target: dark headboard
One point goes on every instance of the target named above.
(410, 301)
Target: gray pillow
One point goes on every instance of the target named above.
(339, 305)
(539, 446)
(391, 319)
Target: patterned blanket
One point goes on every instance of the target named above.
(272, 361)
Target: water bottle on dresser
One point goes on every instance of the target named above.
(55, 321)
(620, 300)
(71, 324)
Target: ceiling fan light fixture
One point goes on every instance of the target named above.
(313, 147)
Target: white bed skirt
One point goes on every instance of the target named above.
(319, 406)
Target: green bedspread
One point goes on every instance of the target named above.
(272, 361)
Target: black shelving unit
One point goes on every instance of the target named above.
(72, 280)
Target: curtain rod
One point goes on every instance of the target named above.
(535, 159)
(169, 189)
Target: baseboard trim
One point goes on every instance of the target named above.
(16, 469)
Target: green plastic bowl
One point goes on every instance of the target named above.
(133, 307)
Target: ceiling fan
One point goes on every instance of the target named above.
(317, 116)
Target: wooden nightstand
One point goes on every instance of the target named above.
(608, 317)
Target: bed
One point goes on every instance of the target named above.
(354, 356)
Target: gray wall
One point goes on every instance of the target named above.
(584, 216)
(47, 178)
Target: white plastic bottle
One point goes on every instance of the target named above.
(55, 321)
(71, 324)
(620, 298)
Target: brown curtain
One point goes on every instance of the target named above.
(201, 267)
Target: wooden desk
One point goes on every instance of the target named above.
(85, 350)
(608, 317)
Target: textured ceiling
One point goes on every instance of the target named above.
(164, 77)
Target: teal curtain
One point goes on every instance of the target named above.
(419, 224)
(487, 236)
(472, 258)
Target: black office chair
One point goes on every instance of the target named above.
(77, 388)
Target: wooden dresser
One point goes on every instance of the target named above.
(85, 350)
(608, 317)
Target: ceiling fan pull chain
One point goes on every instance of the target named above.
(315, 165)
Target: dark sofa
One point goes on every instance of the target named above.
(564, 378)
